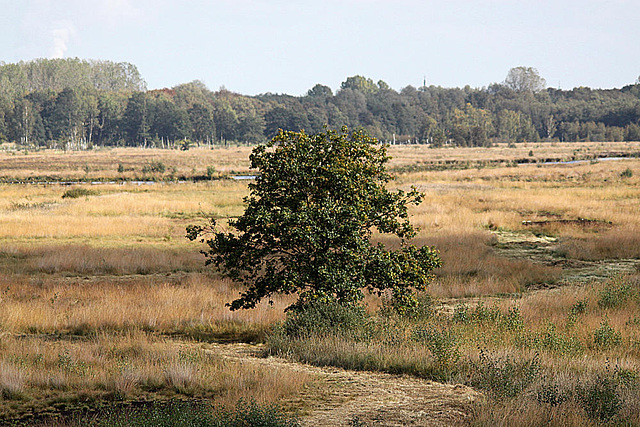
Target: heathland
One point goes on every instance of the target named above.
(106, 308)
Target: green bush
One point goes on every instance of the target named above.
(550, 339)
(481, 314)
(443, 345)
(551, 394)
(504, 377)
(512, 320)
(420, 309)
(251, 414)
(75, 193)
(606, 337)
(627, 173)
(323, 318)
(600, 398)
(153, 167)
(615, 293)
(577, 309)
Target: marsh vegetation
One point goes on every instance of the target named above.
(104, 303)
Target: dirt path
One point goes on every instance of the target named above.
(373, 399)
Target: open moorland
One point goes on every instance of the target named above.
(107, 310)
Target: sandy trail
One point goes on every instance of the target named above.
(370, 398)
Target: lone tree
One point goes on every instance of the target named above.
(308, 224)
(525, 79)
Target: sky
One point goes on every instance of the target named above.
(288, 46)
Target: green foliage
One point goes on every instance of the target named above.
(211, 171)
(192, 414)
(615, 293)
(482, 314)
(504, 377)
(154, 167)
(442, 343)
(324, 318)
(600, 397)
(512, 320)
(251, 414)
(81, 104)
(627, 173)
(308, 223)
(549, 393)
(75, 193)
(605, 337)
(420, 308)
(577, 309)
(550, 339)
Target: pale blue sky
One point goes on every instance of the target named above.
(287, 46)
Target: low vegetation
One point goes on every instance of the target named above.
(554, 357)
(105, 304)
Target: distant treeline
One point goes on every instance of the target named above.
(75, 104)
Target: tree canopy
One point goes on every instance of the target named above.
(72, 103)
(308, 224)
(525, 79)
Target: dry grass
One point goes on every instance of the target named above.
(549, 357)
(417, 155)
(114, 269)
(188, 305)
(104, 163)
(38, 375)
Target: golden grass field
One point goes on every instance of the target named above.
(103, 299)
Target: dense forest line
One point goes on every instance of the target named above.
(79, 104)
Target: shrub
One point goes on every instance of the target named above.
(251, 414)
(615, 293)
(481, 314)
(196, 414)
(75, 193)
(461, 313)
(627, 173)
(577, 309)
(512, 320)
(154, 167)
(606, 337)
(600, 398)
(551, 394)
(504, 377)
(442, 344)
(211, 170)
(421, 309)
(322, 318)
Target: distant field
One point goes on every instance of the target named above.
(137, 164)
(102, 299)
